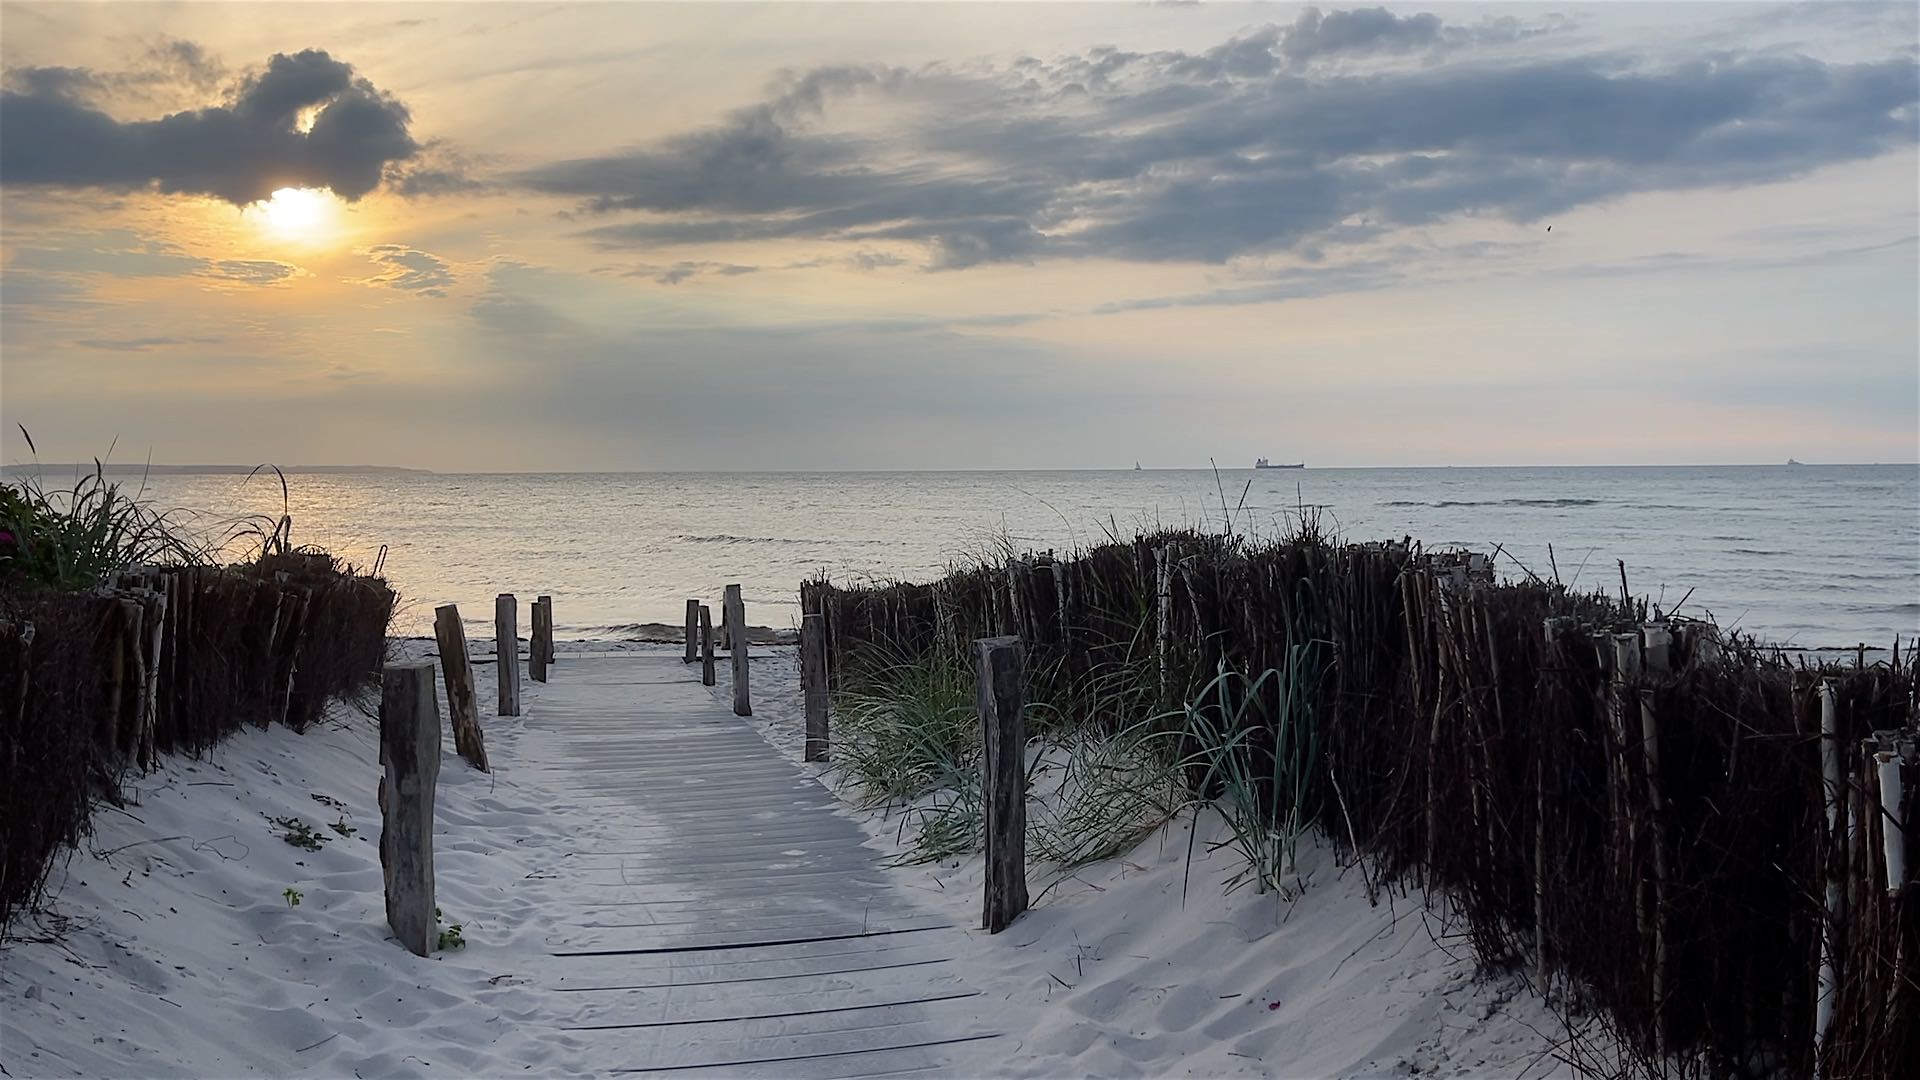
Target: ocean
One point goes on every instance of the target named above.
(1804, 556)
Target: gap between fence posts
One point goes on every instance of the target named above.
(693, 627)
(707, 676)
(457, 671)
(734, 611)
(506, 651)
(410, 752)
(1003, 779)
(813, 682)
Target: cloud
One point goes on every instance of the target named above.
(305, 120)
(142, 344)
(410, 269)
(122, 253)
(253, 271)
(1260, 145)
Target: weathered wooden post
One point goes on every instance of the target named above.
(537, 640)
(1656, 655)
(506, 636)
(813, 682)
(546, 620)
(734, 610)
(707, 677)
(410, 750)
(1829, 983)
(457, 671)
(1893, 806)
(1003, 778)
(693, 628)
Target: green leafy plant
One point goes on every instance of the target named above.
(293, 896)
(79, 537)
(342, 827)
(298, 833)
(450, 937)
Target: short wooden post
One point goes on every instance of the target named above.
(457, 672)
(410, 749)
(734, 610)
(546, 622)
(506, 636)
(707, 677)
(693, 631)
(537, 640)
(813, 682)
(1893, 806)
(1003, 778)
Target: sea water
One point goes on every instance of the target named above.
(1808, 556)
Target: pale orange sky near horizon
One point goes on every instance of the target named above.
(926, 236)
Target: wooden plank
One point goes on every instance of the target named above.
(813, 683)
(410, 748)
(506, 636)
(1003, 778)
(707, 675)
(693, 629)
(455, 669)
(734, 610)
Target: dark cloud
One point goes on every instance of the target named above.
(1263, 144)
(410, 269)
(306, 120)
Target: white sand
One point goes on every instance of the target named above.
(1120, 974)
(169, 949)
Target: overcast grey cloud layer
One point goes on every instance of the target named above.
(240, 152)
(1253, 146)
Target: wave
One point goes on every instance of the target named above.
(1449, 503)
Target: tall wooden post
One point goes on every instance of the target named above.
(813, 682)
(693, 627)
(410, 749)
(707, 677)
(506, 636)
(457, 672)
(1657, 650)
(537, 640)
(734, 610)
(1829, 982)
(1003, 778)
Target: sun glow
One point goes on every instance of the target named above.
(303, 214)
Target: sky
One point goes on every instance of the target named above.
(610, 236)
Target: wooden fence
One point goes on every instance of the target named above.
(1632, 805)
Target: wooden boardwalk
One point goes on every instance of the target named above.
(740, 926)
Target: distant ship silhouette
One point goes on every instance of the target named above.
(1263, 463)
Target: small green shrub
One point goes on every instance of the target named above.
(298, 833)
(342, 827)
(293, 896)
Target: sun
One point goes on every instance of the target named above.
(303, 214)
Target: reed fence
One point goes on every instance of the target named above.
(168, 659)
(1631, 804)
